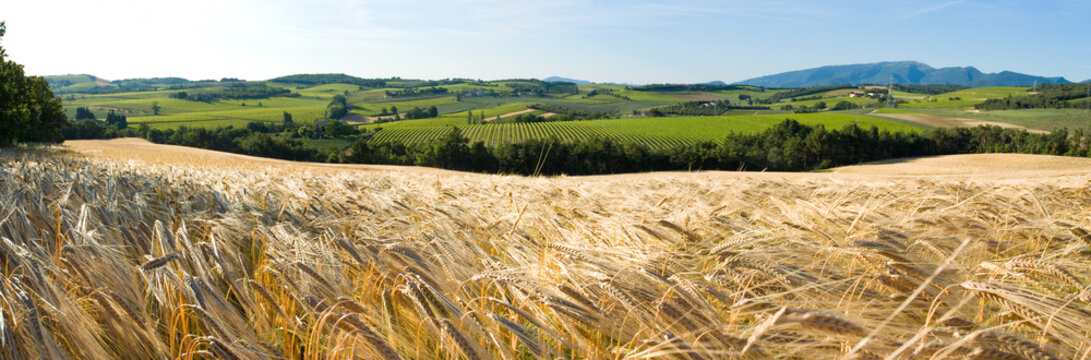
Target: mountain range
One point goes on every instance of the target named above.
(900, 72)
(567, 80)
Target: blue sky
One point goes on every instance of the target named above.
(606, 41)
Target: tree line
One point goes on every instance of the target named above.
(541, 88)
(29, 112)
(788, 146)
(797, 92)
(694, 87)
(234, 90)
(322, 79)
(934, 89)
(1049, 96)
(413, 92)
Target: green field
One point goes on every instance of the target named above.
(965, 99)
(237, 116)
(76, 83)
(374, 108)
(1042, 119)
(653, 132)
(326, 91)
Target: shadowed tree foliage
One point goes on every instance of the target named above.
(28, 110)
(338, 107)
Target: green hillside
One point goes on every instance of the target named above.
(965, 99)
(68, 84)
(572, 112)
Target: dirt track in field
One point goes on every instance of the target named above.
(949, 121)
(514, 113)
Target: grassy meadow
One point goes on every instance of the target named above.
(967, 98)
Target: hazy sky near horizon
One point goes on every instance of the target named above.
(606, 41)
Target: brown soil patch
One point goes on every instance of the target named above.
(949, 121)
(997, 166)
(365, 119)
(355, 119)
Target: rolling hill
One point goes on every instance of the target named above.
(902, 72)
(75, 83)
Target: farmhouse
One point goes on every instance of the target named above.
(856, 94)
(478, 92)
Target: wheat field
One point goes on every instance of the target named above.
(104, 257)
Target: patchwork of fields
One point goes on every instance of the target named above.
(462, 106)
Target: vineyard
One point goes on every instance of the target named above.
(498, 134)
(656, 133)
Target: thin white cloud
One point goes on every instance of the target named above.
(932, 9)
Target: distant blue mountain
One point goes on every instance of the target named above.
(717, 82)
(902, 72)
(563, 79)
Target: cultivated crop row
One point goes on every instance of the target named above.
(498, 134)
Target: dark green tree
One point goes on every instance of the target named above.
(117, 120)
(156, 107)
(47, 118)
(83, 113)
(337, 129)
(28, 109)
(843, 105)
(338, 107)
(287, 117)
